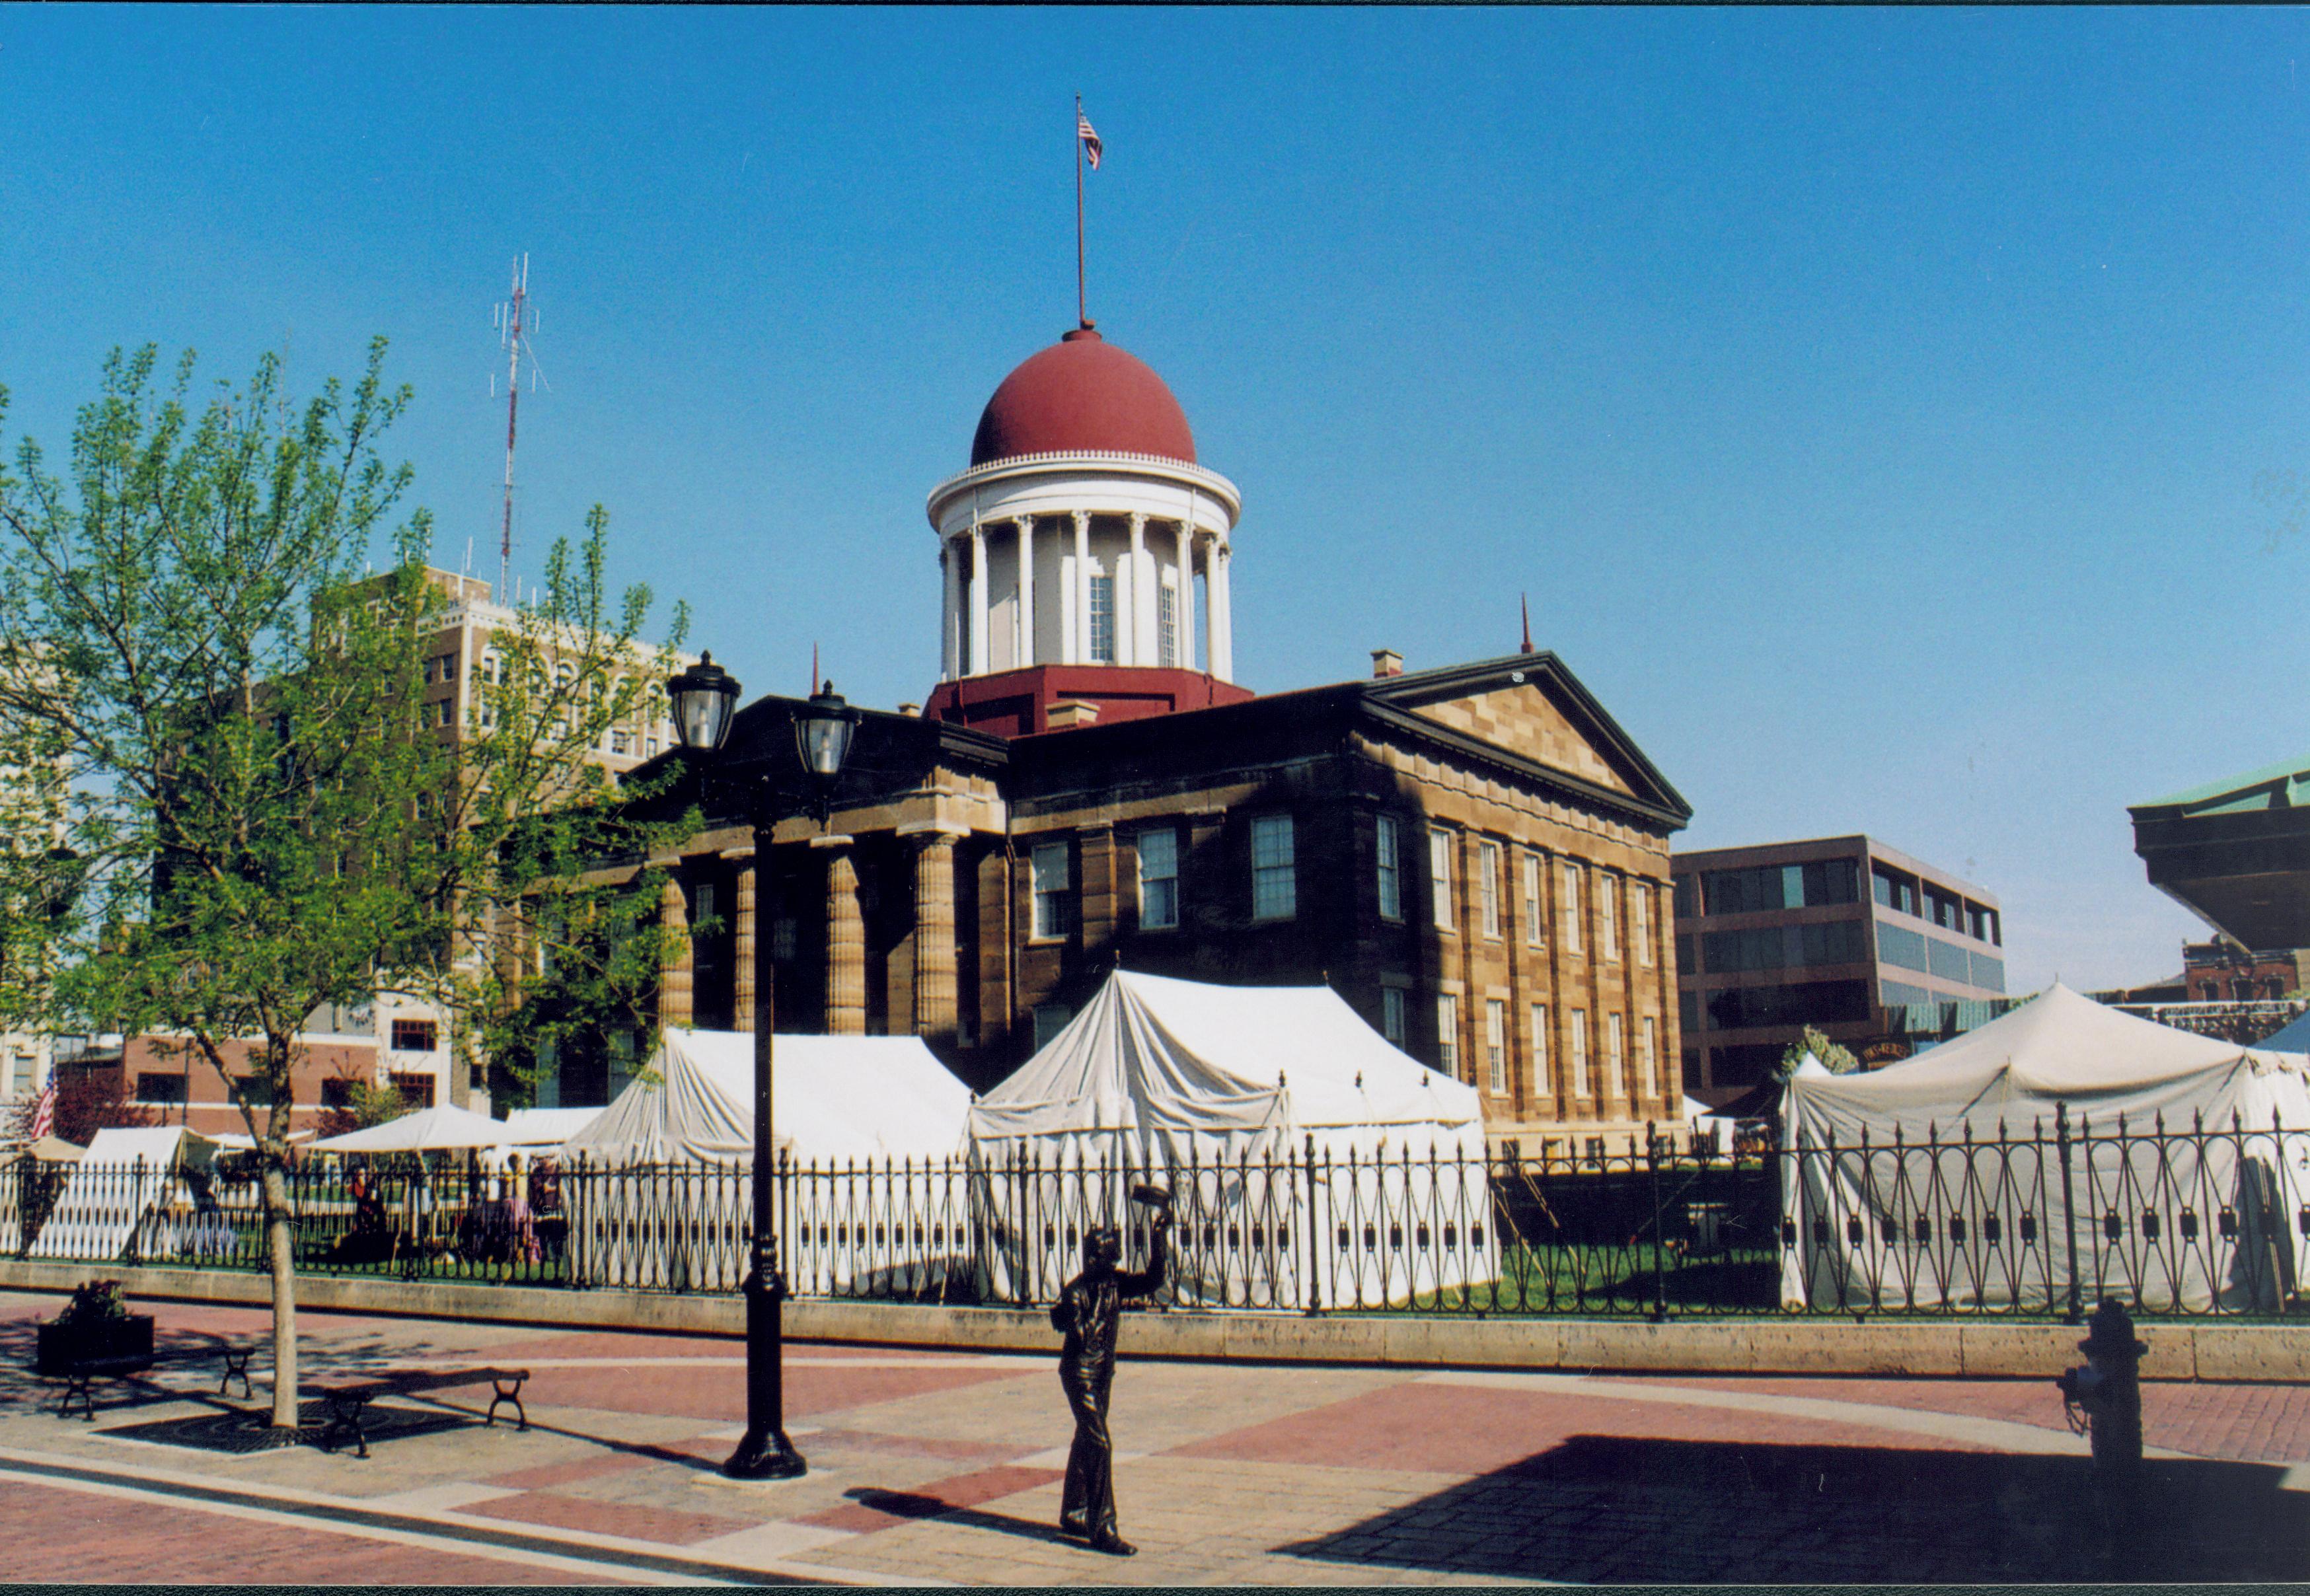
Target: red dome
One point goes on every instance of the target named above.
(1082, 393)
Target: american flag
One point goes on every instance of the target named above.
(1090, 136)
(44, 1110)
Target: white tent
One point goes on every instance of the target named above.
(872, 1127)
(123, 1188)
(1309, 1159)
(546, 1127)
(1942, 1182)
(444, 1127)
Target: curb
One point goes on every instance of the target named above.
(2266, 1353)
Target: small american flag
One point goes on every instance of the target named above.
(44, 1111)
(1090, 136)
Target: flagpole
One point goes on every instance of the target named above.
(1082, 315)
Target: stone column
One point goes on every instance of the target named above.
(1133, 644)
(845, 941)
(951, 612)
(1024, 654)
(935, 989)
(1083, 587)
(674, 981)
(1185, 613)
(742, 944)
(978, 606)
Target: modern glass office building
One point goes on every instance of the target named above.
(1830, 932)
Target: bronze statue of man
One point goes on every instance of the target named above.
(1087, 1311)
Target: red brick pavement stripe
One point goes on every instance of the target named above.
(549, 1475)
(633, 1520)
(881, 1510)
(79, 1537)
(960, 1452)
(1454, 1429)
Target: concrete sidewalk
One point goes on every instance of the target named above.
(930, 1466)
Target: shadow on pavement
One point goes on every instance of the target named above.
(914, 1505)
(1621, 1509)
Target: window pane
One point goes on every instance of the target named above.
(1539, 1081)
(1489, 860)
(1447, 1033)
(1049, 866)
(1534, 922)
(1640, 922)
(1391, 1014)
(1274, 884)
(1439, 875)
(1167, 625)
(1579, 1053)
(1495, 1042)
(1158, 879)
(1390, 876)
(1608, 914)
(1102, 619)
(1572, 911)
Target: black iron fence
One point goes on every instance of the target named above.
(2196, 1220)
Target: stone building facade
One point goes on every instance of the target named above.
(1476, 858)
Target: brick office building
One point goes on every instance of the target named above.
(1476, 858)
(1829, 932)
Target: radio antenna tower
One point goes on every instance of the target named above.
(514, 321)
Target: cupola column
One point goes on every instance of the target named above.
(1083, 587)
(1131, 633)
(1024, 653)
(950, 613)
(1185, 602)
(978, 609)
(1222, 614)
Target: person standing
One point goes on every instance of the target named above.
(1087, 1311)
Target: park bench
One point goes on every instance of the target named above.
(348, 1397)
(80, 1377)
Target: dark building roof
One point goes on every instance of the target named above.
(2235, 852)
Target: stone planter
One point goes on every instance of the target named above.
(60, 1346)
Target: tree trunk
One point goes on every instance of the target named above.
(280, 1242)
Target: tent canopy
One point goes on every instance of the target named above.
(835, 1097)
(1152, 1053)
(55, 1149)
(2059, 1047)
(2294, 1038)
(161, 1146)
(441, 1128)
(540, 1127)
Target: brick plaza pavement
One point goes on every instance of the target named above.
(930, 1466)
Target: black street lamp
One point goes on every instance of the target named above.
(704, 698)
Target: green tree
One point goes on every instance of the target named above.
(1834, 1057)
(258, 821)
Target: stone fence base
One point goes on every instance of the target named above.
(2208, 1350)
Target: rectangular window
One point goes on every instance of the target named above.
(1050, 1020)
(413, 1036)
(1439, 876)
(154, 1087)
(338, 1092)
(1534, 921)
(1539, 1081)
(1648, 1057)
(1570, 920)
(1495, 1042)
(1616, 1074)
(255, 1090)
(1640, 922)
(1487, 865)
(1167, 625)
(1275, 878)
(1579, 1042)
(1447, 1033)
(1608, 915)
(1387, 839)
(785, 935)
(1158, 879)
(1688, 897)
(1391, 1006)
(1048, 865)
(416, 1090)
(1102, 619)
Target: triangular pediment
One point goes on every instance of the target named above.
(1531, 708)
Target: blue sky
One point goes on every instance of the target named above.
(1897, 419)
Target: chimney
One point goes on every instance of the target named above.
(1386, 663)
(1072, 712)
(911, 709)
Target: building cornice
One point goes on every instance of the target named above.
(1088, 462)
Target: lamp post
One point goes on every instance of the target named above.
(704, 699)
